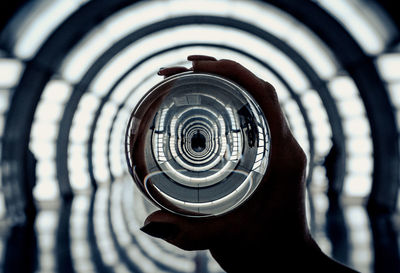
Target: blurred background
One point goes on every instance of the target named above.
(72, 70)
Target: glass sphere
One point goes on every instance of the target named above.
(197, 144)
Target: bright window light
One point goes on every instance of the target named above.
(359, 146)
(85, 54)
(44, 130)
(263, 15)
(192, 34)
(141, 73)
(79, 180)
(135, 96)
(350, 15)
(88, 103)
(80, 207)
(100, 143)
(57, 91)
(46, 189)
(79, 134)
(80, 248)
(78, 167)
(108, 112)
(42, 149)
(357, 185)
(317, 115)
(184, 7)
(10, 72)
(357, 217)
(102, 175)
(77, 162)
(134, 17)
(389, 66)
(351, 108)
(48, 112)
(116, 156)
(356, 126)
(120, 63)
(313, 50)
(322, 130)
(46, 168)
(46, 221)
(292, 110)
(322, 146)
(133, 79)
(360, 164)
(77, 149)
(311, 100)
(51, 15)
(117, 148)
(343, 87)
(82, 118)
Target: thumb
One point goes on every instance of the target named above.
(183, 232)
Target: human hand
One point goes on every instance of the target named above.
(270, 227)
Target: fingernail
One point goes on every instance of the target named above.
(160, 70)
(160, 230)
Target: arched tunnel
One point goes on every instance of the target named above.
(71, 71)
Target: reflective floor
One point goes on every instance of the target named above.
(99, 232)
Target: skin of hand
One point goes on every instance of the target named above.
(268, 232)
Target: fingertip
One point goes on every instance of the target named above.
(159, 216)
(170, 71)
(166, 231)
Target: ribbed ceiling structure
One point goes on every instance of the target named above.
(72, 71)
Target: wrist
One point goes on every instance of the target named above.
(278, 256)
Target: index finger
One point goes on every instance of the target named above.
(262, 91)
(239, 74)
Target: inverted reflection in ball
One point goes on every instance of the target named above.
(197, 144)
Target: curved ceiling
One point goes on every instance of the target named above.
(71, 72)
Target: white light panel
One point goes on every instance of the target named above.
(78, 166)
(42, 149)
(342, 87)
(10, 72)
(108, 251)
(57, 91)
(117, 149)
(131, 19)
(357, 130)
(46, 189)
(350, 14)
(389, 66)
(192, 34)
(42, 24)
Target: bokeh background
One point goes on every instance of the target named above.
(72, 70)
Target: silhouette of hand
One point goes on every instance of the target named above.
(269, 229)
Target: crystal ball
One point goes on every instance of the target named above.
(197, 144)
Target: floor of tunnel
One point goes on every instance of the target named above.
(99, 232)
